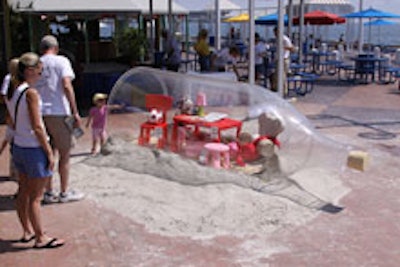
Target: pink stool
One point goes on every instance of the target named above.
(193, 149)
(215, 150)
(181, 138)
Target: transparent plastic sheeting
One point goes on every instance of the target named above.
(301, 145)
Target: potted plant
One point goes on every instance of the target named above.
(133, 45)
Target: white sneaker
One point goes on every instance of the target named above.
(71, 196)
(50, 197)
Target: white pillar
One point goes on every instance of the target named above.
(252, 43)
(151, 31)
(360, 31)
(217, 37)
(279, 52)
(301, 31)
(290, 18)
(170, 18)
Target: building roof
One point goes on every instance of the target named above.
(93, 6)
(203, 5)
(323, 2)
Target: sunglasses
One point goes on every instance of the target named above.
(37, 66)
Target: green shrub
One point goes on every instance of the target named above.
(133, 44)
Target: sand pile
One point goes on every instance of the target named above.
(175, 196)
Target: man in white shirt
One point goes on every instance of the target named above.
(57, 93)
(287, 48)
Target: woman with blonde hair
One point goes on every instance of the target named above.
(32, 154)
(8, 79)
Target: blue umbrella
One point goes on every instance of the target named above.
(371, 13)
(379, 23)
(271, 19)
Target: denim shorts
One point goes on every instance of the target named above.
(31, 161)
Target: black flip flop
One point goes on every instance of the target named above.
(26, 239)
(51, 244)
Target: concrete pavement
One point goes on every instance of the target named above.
(365, 233)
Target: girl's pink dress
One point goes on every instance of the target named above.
(99, 120)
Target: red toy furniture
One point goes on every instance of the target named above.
(198, 122)
(162, 103)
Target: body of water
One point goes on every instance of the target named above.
(383, 35)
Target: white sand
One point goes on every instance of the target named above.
(190, 201)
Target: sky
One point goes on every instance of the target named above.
(385, 5)
(392, 6)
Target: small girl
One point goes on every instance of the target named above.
(98, 119)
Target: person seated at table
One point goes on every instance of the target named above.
(341, 39)
(172, 51)
(260, 51)
(227, 56)
(310, 42)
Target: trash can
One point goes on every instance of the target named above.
(158, 59)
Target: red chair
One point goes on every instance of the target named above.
(162, 103)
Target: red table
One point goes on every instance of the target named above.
(198, 122)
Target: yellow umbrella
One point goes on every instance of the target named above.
(244, 17)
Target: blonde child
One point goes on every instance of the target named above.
(98, 120)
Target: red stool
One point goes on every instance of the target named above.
(162, 103)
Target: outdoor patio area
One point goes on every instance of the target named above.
(260, 133)
(365, 116)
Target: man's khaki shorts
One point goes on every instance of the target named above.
(60, 135)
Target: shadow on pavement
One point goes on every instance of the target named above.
(7, 201)
(11, 246)
(376, 133)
